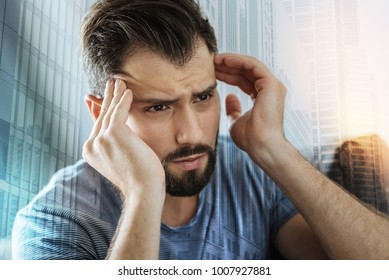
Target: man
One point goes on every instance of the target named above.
(158, 181)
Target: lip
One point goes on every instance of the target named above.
(189, 163)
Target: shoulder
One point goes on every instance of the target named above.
(237, 173)
(73, 217)
(78, 188)
(228, 154)
(236, 165)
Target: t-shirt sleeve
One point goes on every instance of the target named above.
(50, 235)
(73, 217)
(283, 210)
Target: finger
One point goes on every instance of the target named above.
(240, 81)
(250, 65)
(239, 71)
(120, 113)
(120, 87)
(109, 87)
(108, 93)
(249, 74)
(233, 107)
(225, 69)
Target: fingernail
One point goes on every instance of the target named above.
(109, 83)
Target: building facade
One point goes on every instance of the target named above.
(42, 90)
(261, 29)
(364, 162)
(342, 89)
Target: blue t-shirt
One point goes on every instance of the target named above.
(75, 216)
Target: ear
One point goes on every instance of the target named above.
(94, 105)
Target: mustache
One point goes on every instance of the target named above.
(187, 151)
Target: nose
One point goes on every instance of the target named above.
(188, 127)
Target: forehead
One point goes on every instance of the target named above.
(147, 72)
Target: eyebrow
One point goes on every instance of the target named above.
(158, 101)
(207, 90)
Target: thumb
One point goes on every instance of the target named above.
(233, 107)
(234, 112)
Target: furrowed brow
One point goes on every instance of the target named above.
(207, 90)
(157, 101)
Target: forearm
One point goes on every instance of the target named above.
(329, 210)
(137, 235)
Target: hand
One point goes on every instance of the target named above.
(117, 153)
(262, 126)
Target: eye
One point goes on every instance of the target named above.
(203, 97)
(156, 108)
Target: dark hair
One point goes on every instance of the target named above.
(114, 29)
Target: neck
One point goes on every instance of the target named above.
(178, 211)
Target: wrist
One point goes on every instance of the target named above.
(272, 153)
(151, 193)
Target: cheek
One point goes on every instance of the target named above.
(152, 135)
(211, 122)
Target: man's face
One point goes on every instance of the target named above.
(176, 112)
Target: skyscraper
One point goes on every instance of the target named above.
(342, 89)
(315, 25)
(245, 27)
(364, 162)
(249, 27)
(41, 90)
(291, 67)
(357, 84)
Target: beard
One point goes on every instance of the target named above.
(191, 182)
